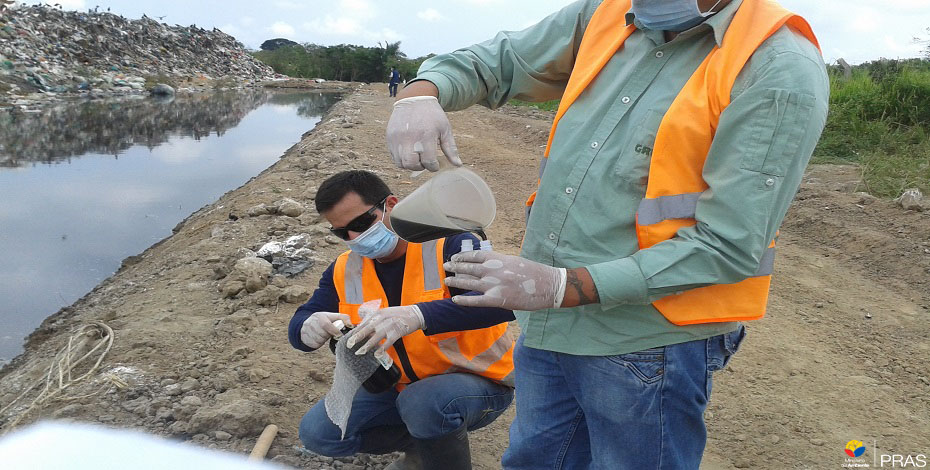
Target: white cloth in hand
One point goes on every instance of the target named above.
(319, 328)
(388, 324)
(506, 281)
(416, 124)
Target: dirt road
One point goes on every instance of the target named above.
(843, 354)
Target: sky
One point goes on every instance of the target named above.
(855, 30)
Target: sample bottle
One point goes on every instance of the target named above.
(467, 245)
(383, 378)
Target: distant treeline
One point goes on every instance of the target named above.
(344, 62)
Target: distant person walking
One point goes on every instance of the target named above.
(395, 79)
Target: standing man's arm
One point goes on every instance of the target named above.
(763, 143)
(533, 64)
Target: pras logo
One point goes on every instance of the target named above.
(855, 448)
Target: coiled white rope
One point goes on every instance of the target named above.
(96, 338)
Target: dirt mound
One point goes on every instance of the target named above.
(842, 354)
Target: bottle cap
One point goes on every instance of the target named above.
(340, 325)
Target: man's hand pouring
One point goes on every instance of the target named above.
(506, 281)
(417, 124)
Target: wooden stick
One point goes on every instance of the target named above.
(264, 442)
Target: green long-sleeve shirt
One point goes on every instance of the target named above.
(599, 163)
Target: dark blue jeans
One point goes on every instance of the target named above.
(430, 408)
(392, 89)
(643, 410)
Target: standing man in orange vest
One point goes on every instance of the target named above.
(682, 134)
(452, 380)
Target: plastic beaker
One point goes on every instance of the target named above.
(452, 201)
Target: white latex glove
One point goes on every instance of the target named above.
(388, 324)
(319, 328)
(416, 124)
(506, 281)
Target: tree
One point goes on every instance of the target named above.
(277, 43)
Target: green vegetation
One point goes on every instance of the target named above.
(344, 62)
(879, 119)
(545, 105)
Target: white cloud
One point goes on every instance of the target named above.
(430, 15)
(865, 21)
(362, 9)
(287, 5)
(231, 30)
(246, 21)
(352, 20)
(333, 26)
(385, 34)
(895, 49)
(282, 29)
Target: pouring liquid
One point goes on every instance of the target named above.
(416, 232)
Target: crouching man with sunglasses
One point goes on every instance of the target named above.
(456, 362)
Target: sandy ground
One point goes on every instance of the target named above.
(842, 354)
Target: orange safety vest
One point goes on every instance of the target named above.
(487, 352)
(683, 140)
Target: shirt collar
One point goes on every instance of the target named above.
(719, 22)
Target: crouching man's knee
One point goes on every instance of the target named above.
(320, 436)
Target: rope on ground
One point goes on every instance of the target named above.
(95, 338)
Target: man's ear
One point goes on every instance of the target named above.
(391, 201)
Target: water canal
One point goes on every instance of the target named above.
(84, 185)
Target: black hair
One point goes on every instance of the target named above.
(364, 183)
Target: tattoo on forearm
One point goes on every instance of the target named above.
(575, 283)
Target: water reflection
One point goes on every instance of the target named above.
(112, 126)
(71, 212)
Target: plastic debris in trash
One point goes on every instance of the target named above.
(290, 257)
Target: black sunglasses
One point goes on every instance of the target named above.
(360, 223)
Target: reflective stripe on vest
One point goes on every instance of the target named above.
(481, 362)
(487, 351)
(682, 142)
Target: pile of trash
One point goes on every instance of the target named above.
(47, 50)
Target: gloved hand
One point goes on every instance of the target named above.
(319, 328)
(507, 281)
(389, 324)
(415, 125)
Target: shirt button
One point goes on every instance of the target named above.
(569, 190)
(625, 99)
(552, 236)
(659, 54)
(594, 145)
(769, 182)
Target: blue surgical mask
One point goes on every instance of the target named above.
(670, 15)
(376, 242)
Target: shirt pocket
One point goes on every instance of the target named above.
(632, 166)
(776, 130)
